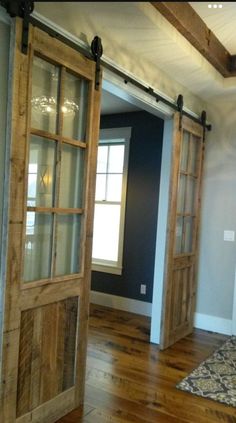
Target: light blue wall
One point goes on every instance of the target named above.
(217, 259)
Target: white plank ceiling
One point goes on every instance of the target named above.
(220, 20)
(139, 30)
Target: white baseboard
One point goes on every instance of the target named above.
(201, 321)
(121, 303)
(213, 323)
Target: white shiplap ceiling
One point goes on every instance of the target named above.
(221, 21)
(138, 30)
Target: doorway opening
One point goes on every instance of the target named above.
(130, 287)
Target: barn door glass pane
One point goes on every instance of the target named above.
(190, 195)
(56, 170)
(181, 194)
(38, 243)
(41, 172)
(72, 177)
(184, 152)
(44, 102)
(68, 250)
(75, 107)
(188, 239)
(178, 235)
(194, 144)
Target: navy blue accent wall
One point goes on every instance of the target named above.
(141, 207)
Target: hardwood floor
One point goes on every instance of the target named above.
(130, 380)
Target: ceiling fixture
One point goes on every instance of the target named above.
(45, 105)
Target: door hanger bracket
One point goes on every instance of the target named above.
(97, 51)
(27, 7)
(180, 105)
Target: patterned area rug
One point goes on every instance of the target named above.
(215, 378)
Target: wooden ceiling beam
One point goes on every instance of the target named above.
(184, 18)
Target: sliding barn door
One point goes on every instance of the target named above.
(182, 235)
(55, 125)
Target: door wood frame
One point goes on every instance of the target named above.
(179, 296)
(234, 307)
(19, 300)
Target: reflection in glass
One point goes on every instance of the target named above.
(188, 223)
(72, 177)
(190, 197)
(178, 235)
(195, 142)
(38, 241)
(184, 152)
(68, 254)
(44, 102)
(181, 194)
(41, 172)
(106, 232)
(75, 107)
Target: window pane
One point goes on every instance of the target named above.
(114, 187)
(100, 188)
(68, 254)
(38, 244)
(106, 232)
(32, 187)
(102, 159)
(116, 158)
(190, 196)
(41, 172)
(72, 174)
(178, 235)
(184, 152)
(188, 223)
(44, 101)
(195, 143)
(181, 194)
(75, 107)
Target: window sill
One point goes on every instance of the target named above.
(115, 270)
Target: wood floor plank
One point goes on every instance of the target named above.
(130, 380)
(105, 399)
(77, 415)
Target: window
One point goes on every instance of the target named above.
(54, 230)
(110, 198)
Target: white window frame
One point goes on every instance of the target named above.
(107, 135)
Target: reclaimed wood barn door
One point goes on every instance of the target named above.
(55, 127)
(182, 235)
